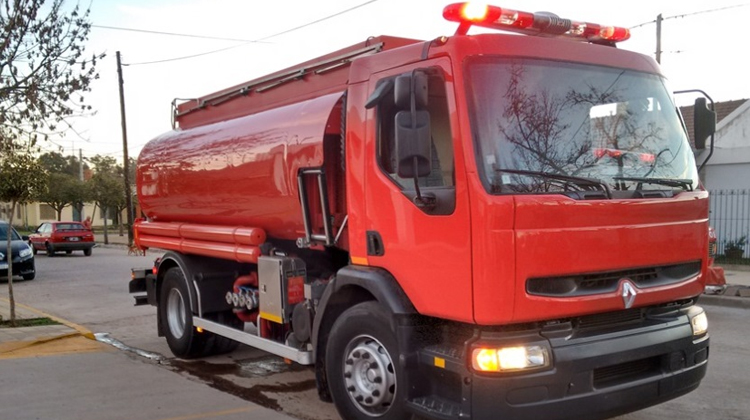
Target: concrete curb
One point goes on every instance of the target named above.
(728, 301)
(80, 330)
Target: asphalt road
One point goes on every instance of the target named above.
(92, 291)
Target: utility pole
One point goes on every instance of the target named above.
(658, 38)
(80, 177)
(126, 160)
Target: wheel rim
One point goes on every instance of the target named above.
(176, 313)
(369, 375)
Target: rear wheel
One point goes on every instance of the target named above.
(68, 252)
(177, 319)
(87, 252)
(362, 367)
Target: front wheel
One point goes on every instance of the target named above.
(33, 248)
(365, 379)
(50, 250)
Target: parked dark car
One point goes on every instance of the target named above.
(23, 257)
(62, 236)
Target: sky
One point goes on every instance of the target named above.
(702, 45)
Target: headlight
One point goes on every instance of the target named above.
(2, 256)
(26, 252)
(699, 324)
(505, 359)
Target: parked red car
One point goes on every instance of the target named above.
(715, 280)
(62, 236)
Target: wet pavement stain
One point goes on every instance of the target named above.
(211, 373)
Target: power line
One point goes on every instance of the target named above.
(147, 31)
(691, 14)
(257, 40)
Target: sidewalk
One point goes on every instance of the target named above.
(113, 237)
(38, 366)
(14, 340)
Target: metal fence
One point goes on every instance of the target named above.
(730, 217)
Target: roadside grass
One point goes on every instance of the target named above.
(722, 259)
(31, 322)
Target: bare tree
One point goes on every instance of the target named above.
(43, 70)
(22, 178)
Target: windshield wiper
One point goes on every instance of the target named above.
(570, 179)
(685, 184)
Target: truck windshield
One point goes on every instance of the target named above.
(536, 122)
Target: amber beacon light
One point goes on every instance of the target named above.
(540, 23)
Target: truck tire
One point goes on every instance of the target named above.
(184, 341)
(174, 307)
(364, 376)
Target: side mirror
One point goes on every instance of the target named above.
(704, 120)
(413, 144)
(403, 90)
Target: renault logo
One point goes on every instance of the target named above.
(628, 293)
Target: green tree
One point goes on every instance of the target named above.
(22, 178)
(43, 70)
(114, 170)
(62, 191)
(65, 188)
(107, 191)
(56, 162)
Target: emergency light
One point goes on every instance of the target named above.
(540, 23)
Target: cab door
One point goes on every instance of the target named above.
(420, 233)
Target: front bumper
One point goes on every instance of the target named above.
(21, 267)
(595, 375)
(599, 379)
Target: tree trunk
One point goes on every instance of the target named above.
(119, 221)
(106, 216)
(9, 253)
(59, 214)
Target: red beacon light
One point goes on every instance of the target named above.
(542, 24)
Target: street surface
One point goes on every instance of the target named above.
(92, 291)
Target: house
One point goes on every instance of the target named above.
(727, 174)
(33, 214)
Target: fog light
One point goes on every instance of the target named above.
(509, 358)
(699, 324)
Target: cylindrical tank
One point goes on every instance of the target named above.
(239, 172)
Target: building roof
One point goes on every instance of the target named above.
(723, 109)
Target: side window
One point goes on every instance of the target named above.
(441, 173)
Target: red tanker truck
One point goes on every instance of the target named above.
(473, 227)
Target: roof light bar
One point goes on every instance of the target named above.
(544, 24)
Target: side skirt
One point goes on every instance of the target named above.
(299, 356)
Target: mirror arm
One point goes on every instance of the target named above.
(713, 107)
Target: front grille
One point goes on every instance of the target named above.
(626, 372)
(610, 319)
(605, 282)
